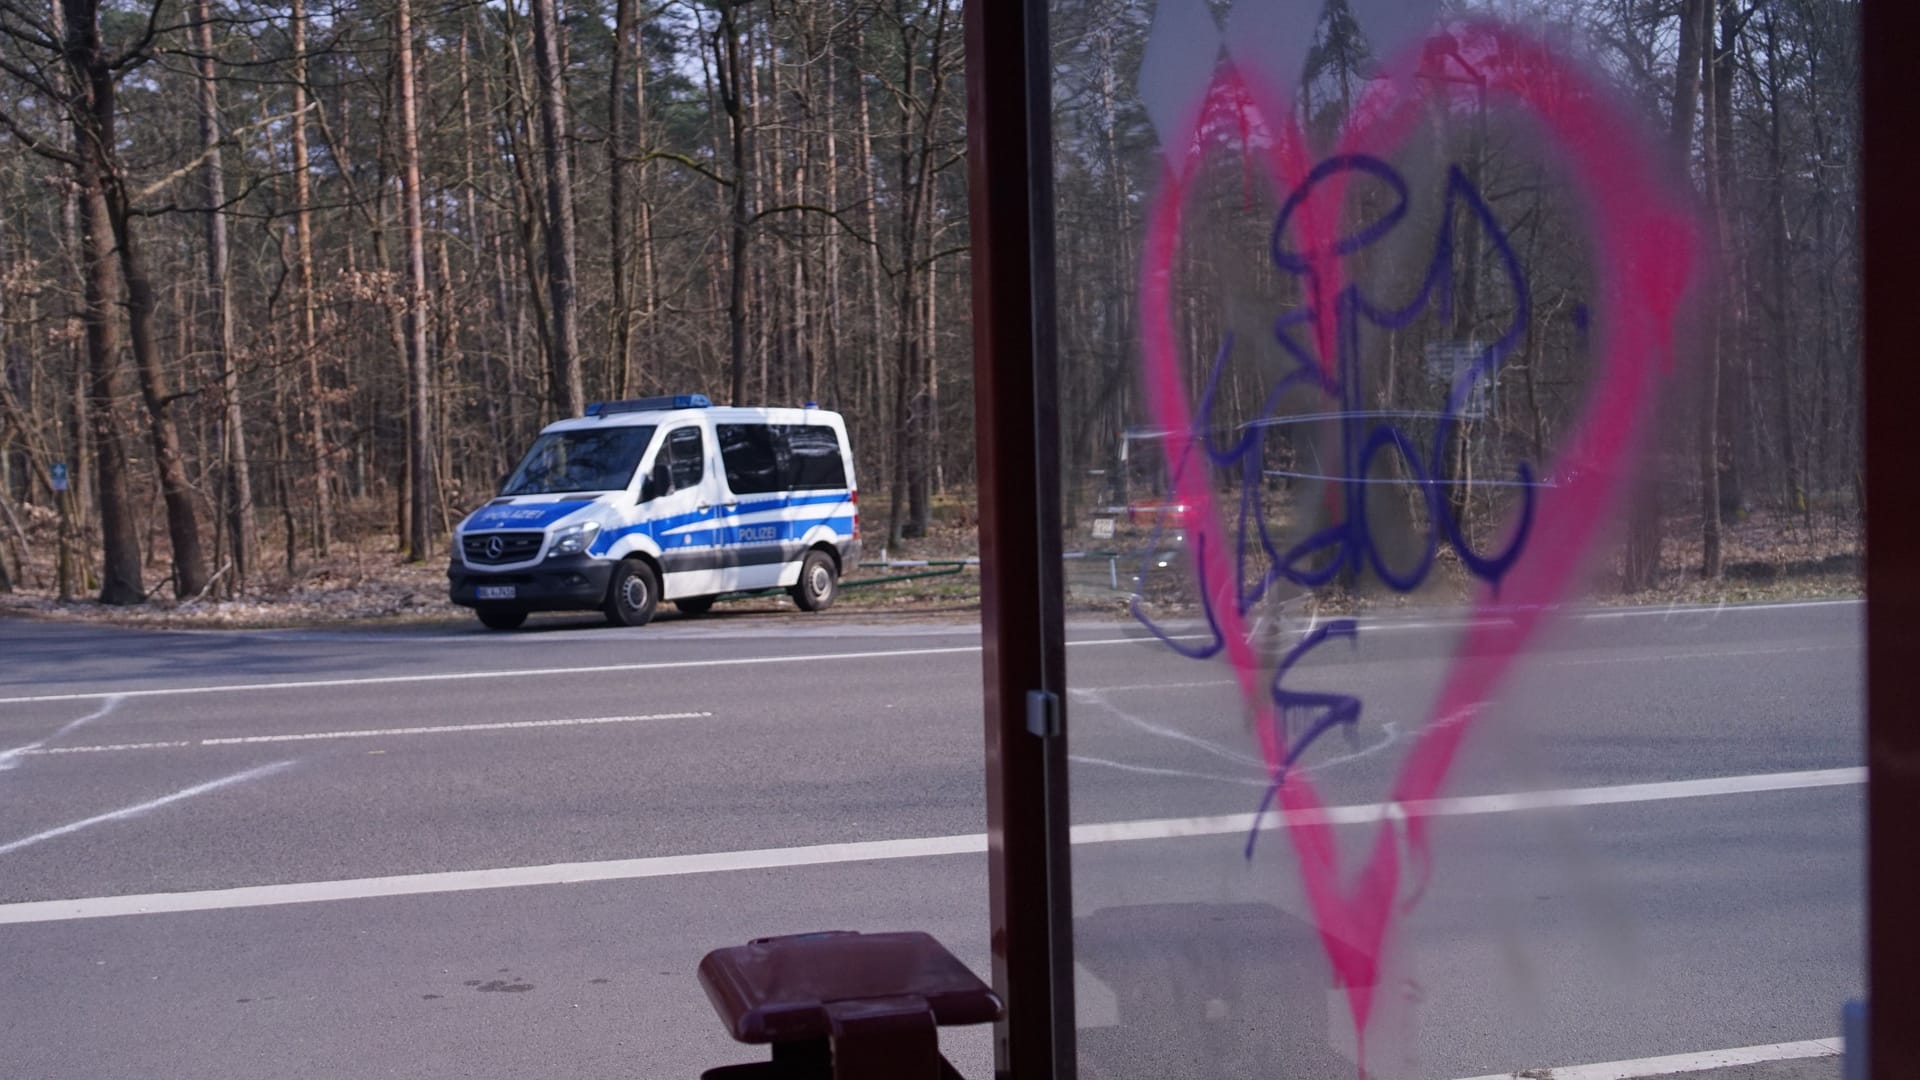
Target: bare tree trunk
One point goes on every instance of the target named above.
(566, 391)
(90, 82)
(419, 440)
(95, 349)
(183, 527)
(918, 120)
(1734, 436)
(1784, 347)
(873, 373)
(316, 413)
(807, 278)
(762, 283)
(1644, 529)
(76, 563)
(649, 279)
(617, 238)
(732, 82)
(831, 305)
(1710, 436)
(281, 484)
(237, 492)
(903, 509)
(778, 314)
(120, 545)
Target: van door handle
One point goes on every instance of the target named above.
(731, 504)
(703, 506)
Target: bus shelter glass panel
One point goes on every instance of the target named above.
(1461, 458)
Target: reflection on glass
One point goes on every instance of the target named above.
(599, 459)
(1395, 328)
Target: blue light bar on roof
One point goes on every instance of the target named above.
(649, 404)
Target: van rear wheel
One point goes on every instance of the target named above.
(819, 582)
(501, 618)
(632, 594)
(694, 605)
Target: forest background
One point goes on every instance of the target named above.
(282, 281)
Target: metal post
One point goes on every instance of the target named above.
(1890, 174)
(1010, 172)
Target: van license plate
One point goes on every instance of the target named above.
(493, 592)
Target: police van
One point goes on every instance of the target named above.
(666, 498)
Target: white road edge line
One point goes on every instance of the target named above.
(101, 907)
(1462, 619)
(1681, 1063)
(140, 808)
(365, 733)
(521, 673)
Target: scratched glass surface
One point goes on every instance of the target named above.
(1390, 321)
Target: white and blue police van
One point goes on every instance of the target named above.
(667, 498)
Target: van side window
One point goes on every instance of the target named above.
(686, 457)
(752, 454)
(814, 460)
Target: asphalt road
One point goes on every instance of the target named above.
(1707, 895)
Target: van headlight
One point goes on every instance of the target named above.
(573, 539)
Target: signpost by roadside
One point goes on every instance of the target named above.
(57, 479)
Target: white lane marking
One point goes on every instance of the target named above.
(307, 892)
(1543, 660)
(1708, 654)
(523, 673)
(141, 808)
(1464, 805)
(309, 684)
(1682, 1063)
(1090, 692)
(11, 758)
(368, 733)
(109, 748)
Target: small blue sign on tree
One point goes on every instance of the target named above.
(58, 471)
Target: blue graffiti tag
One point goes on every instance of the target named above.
(1364, 434)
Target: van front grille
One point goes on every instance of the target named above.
(495, 548)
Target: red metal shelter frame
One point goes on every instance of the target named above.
(1890, 177)
(1010, 169)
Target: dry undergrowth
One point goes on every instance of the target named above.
(367, 582)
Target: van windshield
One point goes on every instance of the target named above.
(596, 459)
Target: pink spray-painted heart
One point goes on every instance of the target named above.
(1645, 245)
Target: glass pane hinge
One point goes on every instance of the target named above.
(1043, 713)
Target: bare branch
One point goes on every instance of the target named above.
(678, 159)
(37, 144)
(231, 138)
(31, 78)
(137, 52)
(827, 212)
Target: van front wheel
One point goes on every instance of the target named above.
(632, 594)
(818, 584)
(501, 618)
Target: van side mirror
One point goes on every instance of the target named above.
(501, 487)
(659, 482)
